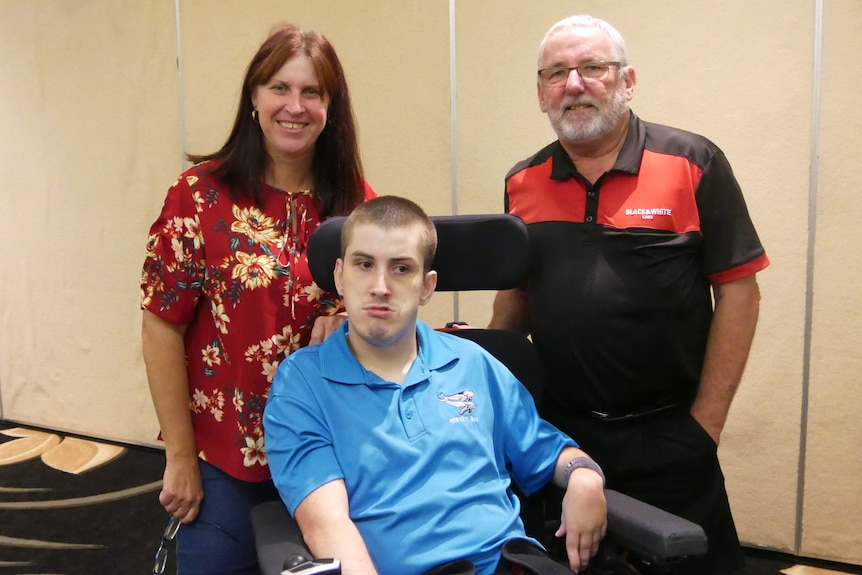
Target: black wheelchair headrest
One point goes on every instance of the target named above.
(474, 252)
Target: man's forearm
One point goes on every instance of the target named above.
(342, 541)
(563, 470)
(511, 311)
(731, 333)
(324, 520)
(584, 510)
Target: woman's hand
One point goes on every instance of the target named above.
(182, 491)
(325, 325)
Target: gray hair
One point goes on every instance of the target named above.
(618, 44)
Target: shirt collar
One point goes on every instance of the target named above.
(338, 364)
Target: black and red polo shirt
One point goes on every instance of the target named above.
(619, 288)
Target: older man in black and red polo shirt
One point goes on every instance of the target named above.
(635, 228)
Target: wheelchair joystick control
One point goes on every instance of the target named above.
(300, 565)
(294, 560)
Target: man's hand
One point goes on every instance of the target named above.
(182, 491)
(325, 325)
(713, 430)
(584, 520)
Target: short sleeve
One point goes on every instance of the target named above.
(531, 444)
(299, 446)
(173, 271)
(732, 248)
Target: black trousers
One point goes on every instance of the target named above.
(667, 460)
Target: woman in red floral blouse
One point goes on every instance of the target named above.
(227, 292)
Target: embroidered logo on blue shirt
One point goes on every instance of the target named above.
(462, 400)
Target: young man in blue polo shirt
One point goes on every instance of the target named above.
(394, 445)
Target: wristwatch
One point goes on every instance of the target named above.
(584, 462)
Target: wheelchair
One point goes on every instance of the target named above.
(492, 252)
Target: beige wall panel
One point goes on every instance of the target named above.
(498, 118)
(765, 134)
(89, 128)
(832, 527)
(705, 68)
(396, 59)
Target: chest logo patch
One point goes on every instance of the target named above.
(649, 213)
(463, 400)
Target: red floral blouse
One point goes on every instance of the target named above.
(238, 277)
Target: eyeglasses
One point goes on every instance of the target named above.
(591, 71)
(161, 559)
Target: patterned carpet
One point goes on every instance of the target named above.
(72, 506)
(761, 562)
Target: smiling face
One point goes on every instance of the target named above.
(584, 111)
(292, 110)
(383, 281)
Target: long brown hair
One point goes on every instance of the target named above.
(337, 169)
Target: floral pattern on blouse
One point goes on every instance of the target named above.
(237, 276)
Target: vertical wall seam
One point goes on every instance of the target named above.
(180, 90)
(453, 132)
(814, 164)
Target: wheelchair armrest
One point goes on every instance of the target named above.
(653, 534)
(276, 536)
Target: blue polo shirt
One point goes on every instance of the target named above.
(427, 464)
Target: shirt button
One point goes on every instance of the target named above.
(409, 415)
(591, 194)
(589, 219)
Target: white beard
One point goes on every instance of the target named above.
(573, 131)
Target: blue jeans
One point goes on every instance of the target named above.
(220, 541)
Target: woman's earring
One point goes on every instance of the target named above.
(254, 115)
